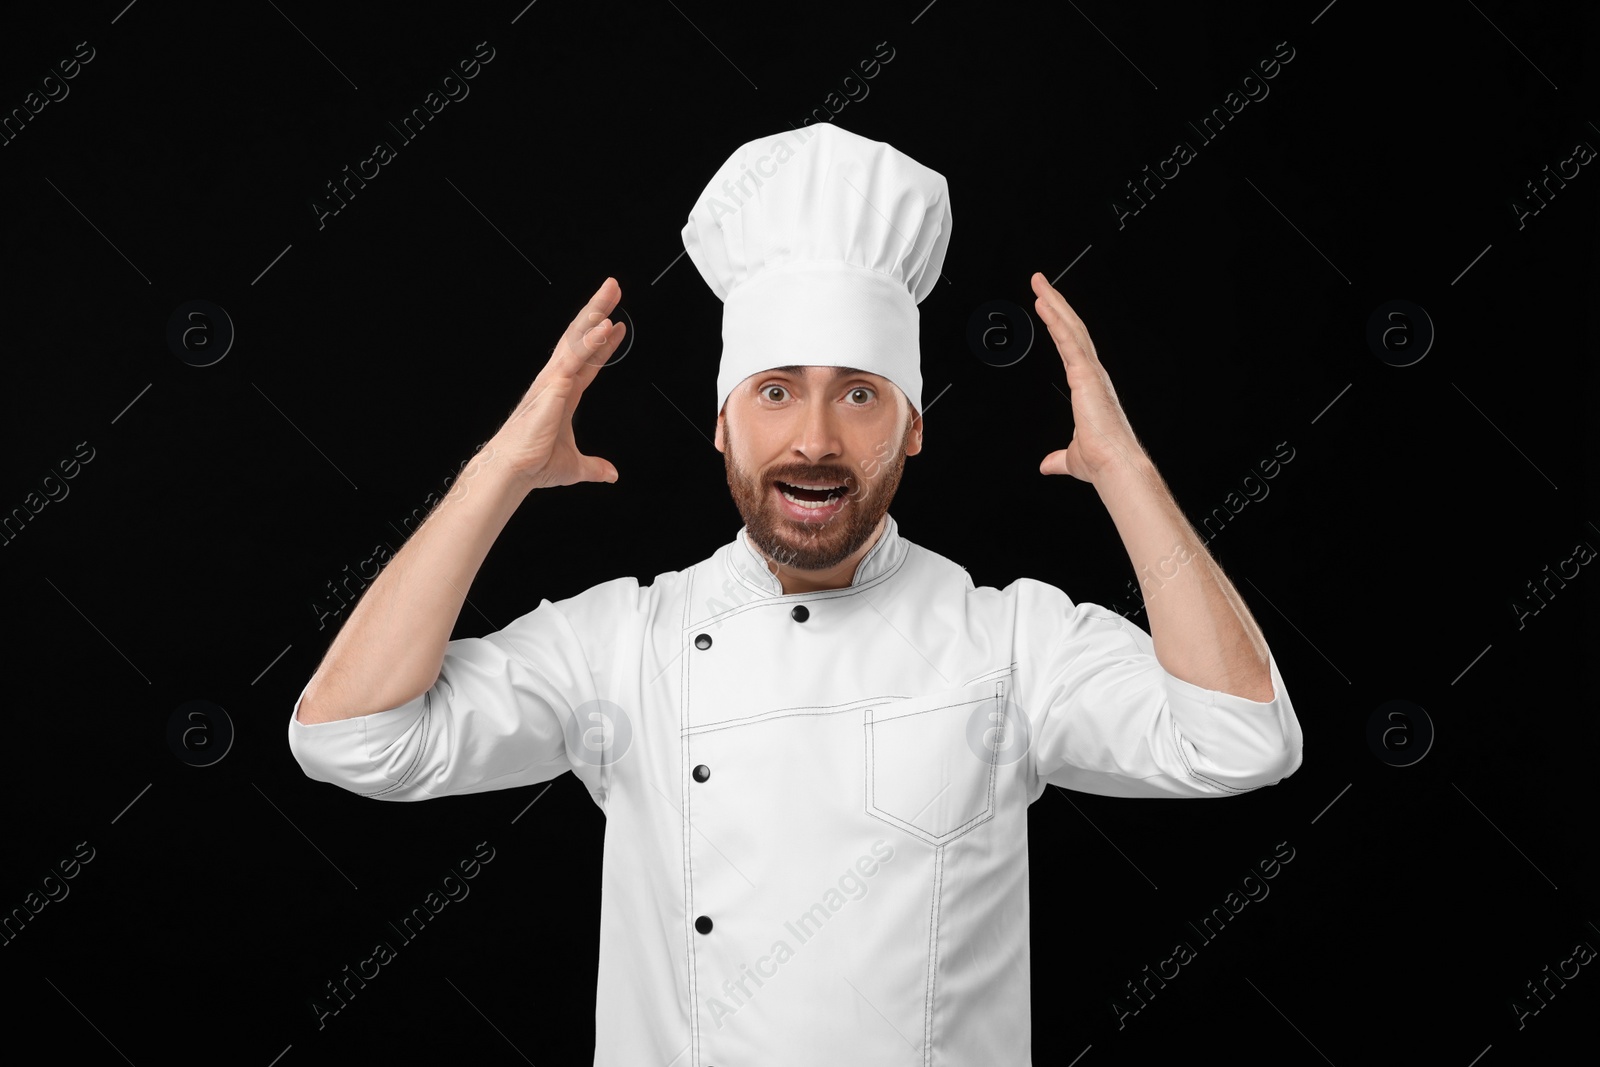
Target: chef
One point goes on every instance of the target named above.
(816, 748)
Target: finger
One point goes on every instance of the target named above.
(1077, 351)
(595, 469)
(1054, 309)
(1055, 463)
(1068, 341)
(596, 347)
(1048, 294)
(599, 345)
(588, 317)
(591, 339)
(602, 342)
(573, 363)
(1062, 322)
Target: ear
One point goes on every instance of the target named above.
(719, 439)
(914, 433)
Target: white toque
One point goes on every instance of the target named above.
(820, 244)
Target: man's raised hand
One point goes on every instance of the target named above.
(1102, 440)
(536, 440)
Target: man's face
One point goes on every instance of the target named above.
(815, 426)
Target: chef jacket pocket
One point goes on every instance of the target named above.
(929, 767)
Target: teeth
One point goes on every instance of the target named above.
(809, 505)
(803, 485)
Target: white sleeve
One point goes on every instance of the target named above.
(1106, 718)
(497, 717)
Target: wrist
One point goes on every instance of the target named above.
(490, 475)
(1131, 471)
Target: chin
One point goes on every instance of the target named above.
(793, 541)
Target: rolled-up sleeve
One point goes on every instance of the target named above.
(1106, 718)
(498, 716)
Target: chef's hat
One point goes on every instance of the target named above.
(820, 244)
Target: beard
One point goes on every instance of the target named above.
(789, 542)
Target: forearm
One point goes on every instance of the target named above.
(1202, 630)
(390, 649)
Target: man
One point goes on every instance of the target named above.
(815, 750)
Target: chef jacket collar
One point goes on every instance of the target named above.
(750, 567)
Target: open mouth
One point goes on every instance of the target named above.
(811, 502)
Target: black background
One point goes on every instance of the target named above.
(379, 349)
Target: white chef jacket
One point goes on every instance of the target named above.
(816, 811)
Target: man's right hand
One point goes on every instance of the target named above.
(536, 441)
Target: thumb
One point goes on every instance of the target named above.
(1055, 463)
(596, 469)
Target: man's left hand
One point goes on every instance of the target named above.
(1102, 440)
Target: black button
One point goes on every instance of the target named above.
(702, 772)
(702, 641)
(703, 924)
(800, 614)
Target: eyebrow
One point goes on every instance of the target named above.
(794, 371)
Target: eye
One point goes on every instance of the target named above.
(871, 393)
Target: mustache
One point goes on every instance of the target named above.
(824, 478)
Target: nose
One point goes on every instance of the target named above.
(817, 433)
